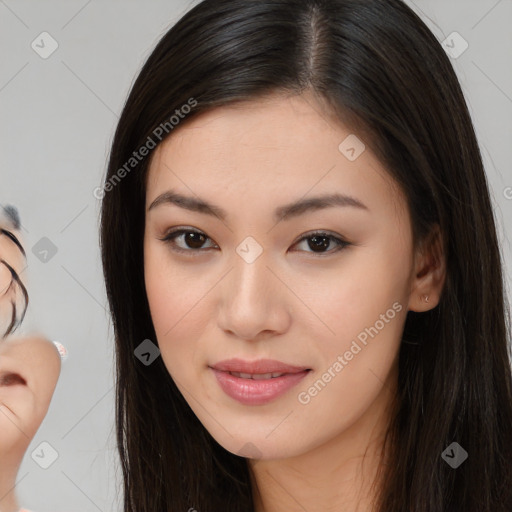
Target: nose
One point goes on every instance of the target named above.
(254, 301)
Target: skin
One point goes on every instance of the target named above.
(291, 304)
(29, 370)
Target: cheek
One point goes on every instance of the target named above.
(362, 308)
(177, 310)
(355, 295)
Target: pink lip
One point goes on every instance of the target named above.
(257, 392)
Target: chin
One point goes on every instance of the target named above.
(258, 446)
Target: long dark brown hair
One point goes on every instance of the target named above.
(384, 74)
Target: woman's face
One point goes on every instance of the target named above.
(253, 285)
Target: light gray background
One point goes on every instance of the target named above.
(58, 117)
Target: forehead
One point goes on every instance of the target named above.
(271, 150)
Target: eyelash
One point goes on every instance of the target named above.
(16, 319)
(170, 237)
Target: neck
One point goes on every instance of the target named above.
(8, 500)
(9, 466)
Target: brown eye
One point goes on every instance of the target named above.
(191, 241)
(319, 241)
(194, 240)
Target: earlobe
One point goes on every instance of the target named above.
(429, 273)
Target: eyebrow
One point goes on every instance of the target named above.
(284, 212)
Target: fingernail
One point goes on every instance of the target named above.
(62, 350)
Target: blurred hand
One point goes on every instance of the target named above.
(29, 365)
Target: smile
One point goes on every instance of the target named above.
(257, 389)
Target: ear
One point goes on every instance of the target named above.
(429, 273)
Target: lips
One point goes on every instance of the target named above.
(257, 382)
(262, 368)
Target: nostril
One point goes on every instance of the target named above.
(12, 379)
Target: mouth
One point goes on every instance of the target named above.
(258, 382)
(245, 368)
(258, 376)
